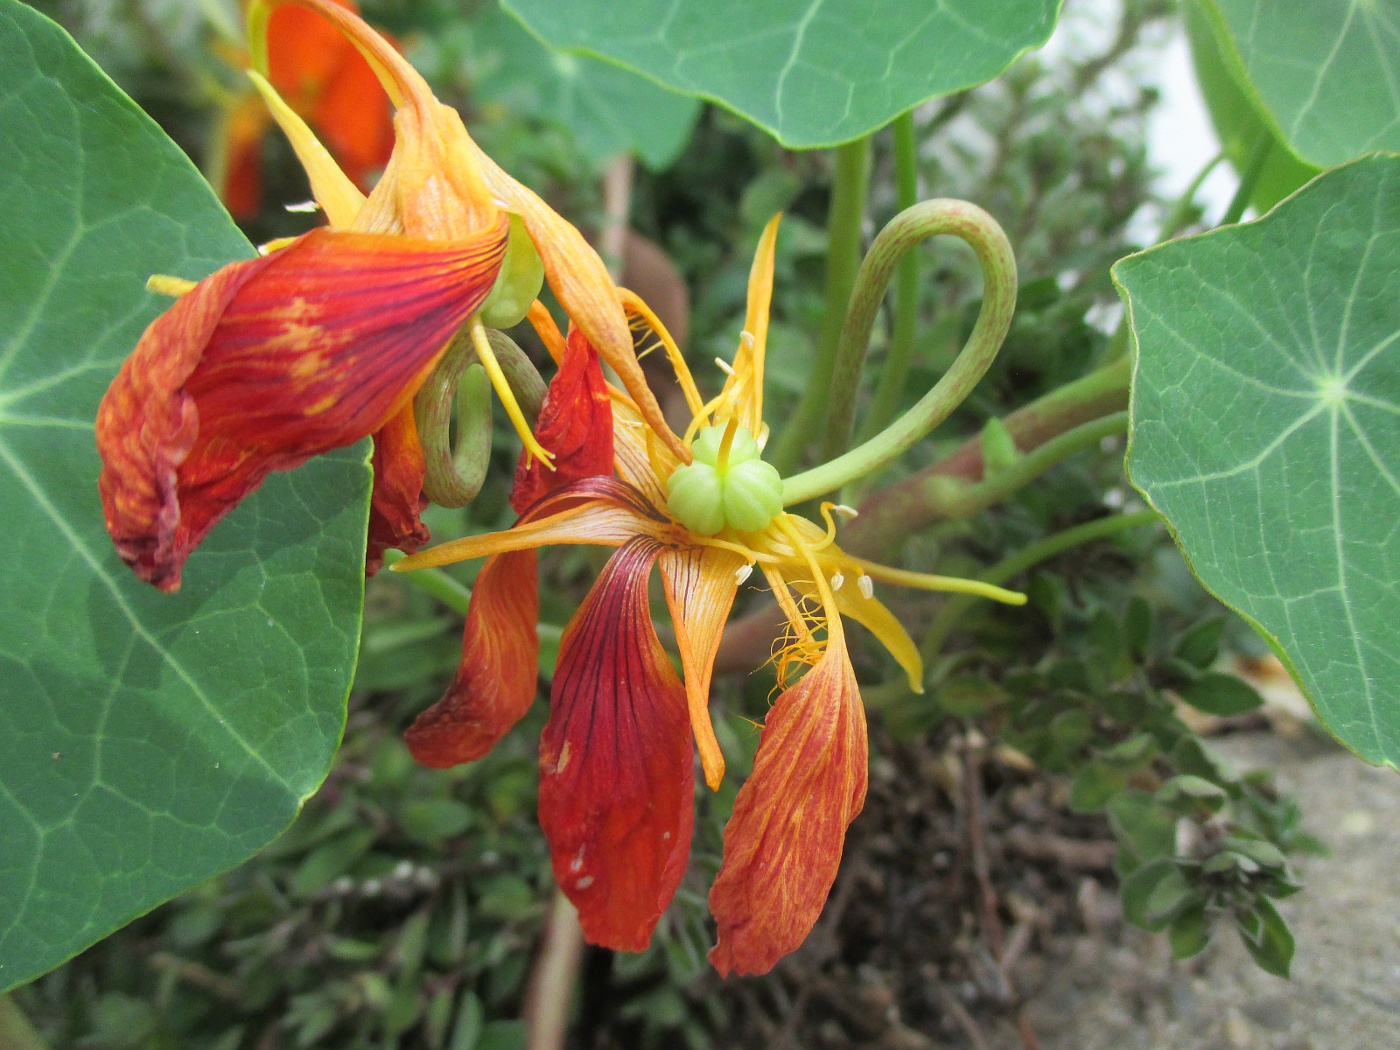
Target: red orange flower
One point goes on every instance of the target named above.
(325, 339)
(616, 773)
(317, 70)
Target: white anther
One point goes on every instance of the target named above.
(584, 882)
(866, 585)
(724, 366)
(302, 206)
(746, 340)
(742, 573)
(845, 511)
(836, 581)
(264, 250)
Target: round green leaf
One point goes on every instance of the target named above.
(1264, 429)
(1240, 117)
(811, 72)
(150, 740)
(608, 109)
(1326, 71)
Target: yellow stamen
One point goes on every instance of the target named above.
(928, 582)
(633, 306)
(756, 319)
(830, 537)
(163, 284)
(275, 245)
(487, 356)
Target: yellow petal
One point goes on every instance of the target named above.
(331, 187)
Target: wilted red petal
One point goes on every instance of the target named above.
(495, 682)
(398, 498)
(617, 780)
(783, 844)
(266, 363)
(575, 424)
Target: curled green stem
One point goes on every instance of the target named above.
(454, 473)
(927, 219)
(895, 373)
(842, 260)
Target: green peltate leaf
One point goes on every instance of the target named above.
(811, 72)
(1265, 406)
(1327, 72)
(150, 740)
(608, 109)
(1240, 119)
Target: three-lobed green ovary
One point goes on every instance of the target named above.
(743, 492)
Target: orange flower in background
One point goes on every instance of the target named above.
(325, 81)
(616, 768)
(325, 339)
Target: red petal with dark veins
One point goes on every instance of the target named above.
(397, 498)
(617, 780)
(783, 844)
(495, 682)
(575, 423)
(266, 363)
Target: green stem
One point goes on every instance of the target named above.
(905, 230)
(1249, 179)
(453, 594)
(910, 505)
(1181, 210)
(1008, 568)
(16, 1033)
(456, 596)
(842, 260)
(895, 373)
(960, 500)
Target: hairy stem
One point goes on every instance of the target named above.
(842, 260)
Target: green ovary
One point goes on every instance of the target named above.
(743, 493)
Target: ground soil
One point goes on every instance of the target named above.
(905, 955)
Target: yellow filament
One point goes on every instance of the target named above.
(633, 305)
(163, 284)
(928, 582)
(487, 356)
(706, 410)
(830, 537)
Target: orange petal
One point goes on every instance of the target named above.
(355, 119)
(495, 682)
(581, 282)
(783, 844)
(266, 363)
(700, 585)
(303, 53)
(397, 498)
(617, 780)
(575, 424)
(594, 510)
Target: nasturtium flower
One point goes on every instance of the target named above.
(323, 79)
(324, 339)
(616, 767)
